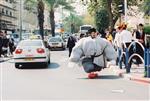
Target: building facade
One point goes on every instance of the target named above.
(8, 15)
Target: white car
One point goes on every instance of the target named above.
(56, 42)
(31, 51)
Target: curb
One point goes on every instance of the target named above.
(3, 60)
(130, 77)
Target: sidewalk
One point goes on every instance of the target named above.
(136, 74)
(3, 59)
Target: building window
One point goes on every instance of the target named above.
(6, 12)
(3, 10)
(10, 13)
(10, 1)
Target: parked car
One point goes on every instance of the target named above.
(56, 42)
(30, 52)
(16, 38)
(35, 36)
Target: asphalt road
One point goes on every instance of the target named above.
(59, 82)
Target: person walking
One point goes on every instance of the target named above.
(93, 51)
(71, 43)
(125, 36)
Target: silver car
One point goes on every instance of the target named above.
(56, 42)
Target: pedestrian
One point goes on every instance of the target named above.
(71, 43)
(117, 41)
(140, 37)
(140, 34)
(125, 36)
(11, 44)
(5, 46)
(108, 35)
(93, 51)
(103, 34)
(82, 35)
(1, 42)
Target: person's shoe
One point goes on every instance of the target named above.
(92, 75)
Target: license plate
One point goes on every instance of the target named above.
(54, 43)
(28, 59)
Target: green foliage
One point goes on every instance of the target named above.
(145, 7)
(76, 20)
(96, 5)
(147, 29)
(52, 4)
(101, 20)
(30, 5)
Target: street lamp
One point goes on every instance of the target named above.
(20, 20)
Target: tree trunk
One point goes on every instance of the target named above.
(52, 21)
(111, 22)
(41, 17)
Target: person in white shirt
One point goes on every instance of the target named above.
(117, 41)
(97, 49)
(125, 36)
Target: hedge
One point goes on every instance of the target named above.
(147, 29)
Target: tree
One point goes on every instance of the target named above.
(75, 20)
(53, 4)
(145, 6)
(101, 20)
(40, 13)
(111, 6)
(88, 19)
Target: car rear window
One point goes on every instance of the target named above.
(31, 43)
(55, 40)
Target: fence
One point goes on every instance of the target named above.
(126, 57)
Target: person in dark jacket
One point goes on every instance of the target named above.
(140, 35)
(1, 42)
(71, 43)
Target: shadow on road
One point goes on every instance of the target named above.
(39, 66)
(53, 65)
(105, 77)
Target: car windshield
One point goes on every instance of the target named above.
(54, 39)
(15, 36)
(31, 43)
(85, 28)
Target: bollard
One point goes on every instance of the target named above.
(145, 62)
(148, 63)
(120, 58)
(127, 59)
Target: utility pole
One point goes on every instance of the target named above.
(125, 10)
(20, 18)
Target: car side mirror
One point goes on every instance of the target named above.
(65, 40)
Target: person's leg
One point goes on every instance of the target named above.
(91, 69)
(0, 51)
(70, 50)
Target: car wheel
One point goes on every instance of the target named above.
(45, 65)
(17, 65)
(49, 61)
(64, 48)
